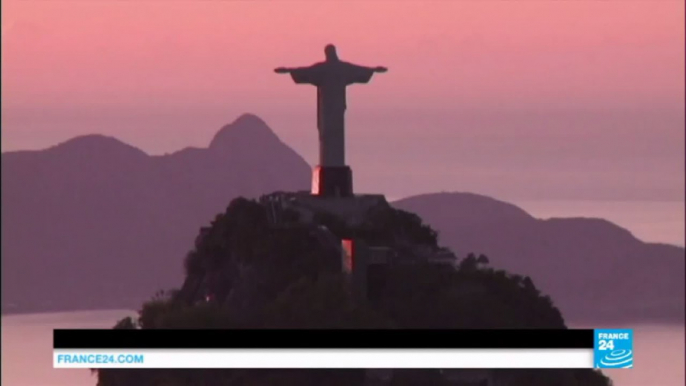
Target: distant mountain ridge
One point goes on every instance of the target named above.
(86, 221)
(592, 268)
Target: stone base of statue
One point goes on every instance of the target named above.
(332, 181)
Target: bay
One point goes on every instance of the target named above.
(27, 351)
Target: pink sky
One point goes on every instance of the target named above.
(163, 75)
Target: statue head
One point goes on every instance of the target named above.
(330, 52)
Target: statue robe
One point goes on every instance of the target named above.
(331, 79)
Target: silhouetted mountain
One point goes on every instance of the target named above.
(86, 221)
(592, 268)
(255, 267)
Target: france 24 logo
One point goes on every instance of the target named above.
(614, 349)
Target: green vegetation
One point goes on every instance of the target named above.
(260, 277)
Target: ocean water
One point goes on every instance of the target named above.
(27, 346)
(27, 351)
(659, 356)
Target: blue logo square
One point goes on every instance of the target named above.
(613, 349)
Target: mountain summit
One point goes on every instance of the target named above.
(245, 130)
(92, 215)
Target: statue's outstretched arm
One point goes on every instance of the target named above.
(300, 75)
(372, 69)
(362, 74)
(290, 70)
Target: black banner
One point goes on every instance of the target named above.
(322, 339)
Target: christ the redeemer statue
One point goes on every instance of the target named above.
(331, 77)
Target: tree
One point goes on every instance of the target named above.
(260, 277)
(326, 302)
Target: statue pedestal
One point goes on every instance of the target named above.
(332, 181)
